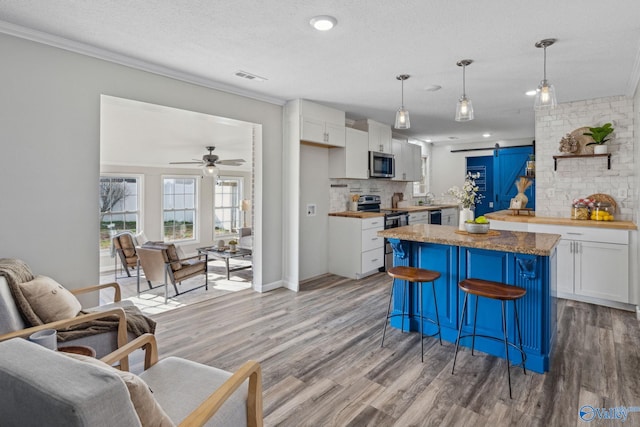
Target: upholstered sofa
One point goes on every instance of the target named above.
(42, 387)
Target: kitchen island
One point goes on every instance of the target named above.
(523, 259)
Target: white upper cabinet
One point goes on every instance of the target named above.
(379, 134)
(408, 164)
(320, 124)
(352, 160)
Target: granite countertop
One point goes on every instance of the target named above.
(424, 208)
(507, 241)
(353, 214)
(507, 216)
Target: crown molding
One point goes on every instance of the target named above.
(128, 61)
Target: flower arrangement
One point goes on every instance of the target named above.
(468, 195)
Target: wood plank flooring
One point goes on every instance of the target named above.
(323, 365)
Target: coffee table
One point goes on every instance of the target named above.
(226, 255)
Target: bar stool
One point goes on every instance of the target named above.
(415, 276)
(497, 291)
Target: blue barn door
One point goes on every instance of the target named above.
(509, 164)
(484, 166)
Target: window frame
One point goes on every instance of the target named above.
(424, 165)
(196, 208)
(240, 196)
(140, 200)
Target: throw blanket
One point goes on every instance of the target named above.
(16, 271)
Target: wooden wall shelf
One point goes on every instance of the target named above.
(573, 156)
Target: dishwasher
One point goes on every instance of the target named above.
(435, 217)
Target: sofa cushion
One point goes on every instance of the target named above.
(149, 411)
(41, 387)
(194, 382)
(49, 300)
(10, 318)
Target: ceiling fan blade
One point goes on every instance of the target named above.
(231, 162)
(186, 163)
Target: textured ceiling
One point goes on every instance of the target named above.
(353, 67)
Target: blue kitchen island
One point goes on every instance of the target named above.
(523, 259)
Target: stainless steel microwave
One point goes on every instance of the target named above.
(381, 165)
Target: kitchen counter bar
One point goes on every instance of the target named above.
(506, 215)
(507, 241)
(526, 260)
(424, 208)
(357, 214)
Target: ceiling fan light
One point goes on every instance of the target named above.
(209, 169)
(402, 119)
(464, 110)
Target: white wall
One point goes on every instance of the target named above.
(49, 137)
(314, 230)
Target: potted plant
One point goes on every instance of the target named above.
(232, 245)
(600, 137)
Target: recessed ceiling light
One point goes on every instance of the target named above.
(433, 88)
(486, 135)
(530, 92)
(323, 22)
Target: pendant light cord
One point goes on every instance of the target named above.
(402, 94)
(544, 74)
(464, 89)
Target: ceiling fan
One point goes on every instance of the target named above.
(210, 161)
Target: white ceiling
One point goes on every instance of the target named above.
(140, 134)
(353, 67)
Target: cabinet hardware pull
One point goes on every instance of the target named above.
(575, 234)
(374, 260)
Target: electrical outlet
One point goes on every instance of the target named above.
(622, 193)
(311, 210)
(551, 193)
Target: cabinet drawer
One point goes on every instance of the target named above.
(584, 234)
(372, 260)
(375, 222)
(371, 240)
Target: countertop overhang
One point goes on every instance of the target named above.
(505, 215)
(424, 208)
(357, 214)
(507, 241)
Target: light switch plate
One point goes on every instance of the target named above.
(311, 209)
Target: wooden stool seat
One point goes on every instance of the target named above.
(493, 290)
(413, 274)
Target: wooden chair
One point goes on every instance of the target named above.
(188, 393)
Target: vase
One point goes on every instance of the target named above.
(465, 214)
(523, 199)
(600, 149)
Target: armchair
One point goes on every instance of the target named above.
(124, 245)
(93, 394)
(160, 263)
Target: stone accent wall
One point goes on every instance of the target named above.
(580, 177)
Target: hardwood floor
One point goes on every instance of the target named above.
(323, 365)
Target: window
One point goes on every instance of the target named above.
(179, 209)
(228, 201)
(119, 206)
(420, 187)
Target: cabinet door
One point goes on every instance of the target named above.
(565, 266)
(312, 130)
(385, 138)
(335, 134)
(357, 152)
(398, 150)
(602, 270)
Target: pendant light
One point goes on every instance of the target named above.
(402, 116)
(464, 109)
(546, 93)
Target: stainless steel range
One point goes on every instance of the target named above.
(392, 219)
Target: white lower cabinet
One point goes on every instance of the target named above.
(355, 249)
(419, 218)
(450, 216)
(592, 263)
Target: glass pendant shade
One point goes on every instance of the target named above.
(545, 95)
(209, 169)
(402, 119)
(464, 109)
(402, 115)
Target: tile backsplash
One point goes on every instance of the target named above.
(580, 177)
(385, 188)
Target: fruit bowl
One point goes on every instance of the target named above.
(476, 228)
